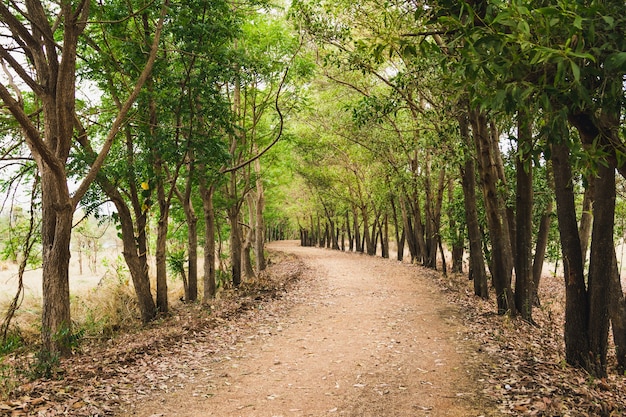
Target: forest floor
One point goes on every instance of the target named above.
(331, 333)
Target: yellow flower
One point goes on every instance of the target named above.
(145, 185)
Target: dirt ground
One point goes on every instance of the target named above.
(369, 337)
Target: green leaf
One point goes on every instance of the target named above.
(523, 27)
(609, 21)
(575, 71)
(616, 61)
(578, 22)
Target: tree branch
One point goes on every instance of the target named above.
(121, 116)
(280, 118)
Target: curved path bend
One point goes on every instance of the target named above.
(369, 337)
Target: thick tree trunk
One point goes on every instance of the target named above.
(135, 255)
(135, 245)
(500, 244)
(523, 218)
(576, 303)
(601, 267)
(56, 231)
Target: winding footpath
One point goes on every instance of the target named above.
(369, 337)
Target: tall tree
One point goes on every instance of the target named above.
(38, 42)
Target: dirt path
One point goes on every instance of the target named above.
(371, 337)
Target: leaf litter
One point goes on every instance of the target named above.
(524, 372)
(103, 378)
(519, 368)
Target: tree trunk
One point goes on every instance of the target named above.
(235, 244)
(617, 310)
(396, 227)
(210, 284)
(586, 218)
(418, 228)
(191, 293)
(56, 231)
(500, 244)
(343, 237)
(477, 260)
(456, 231)
(433, 206)
(576, 304)
(259, 236)
(430, 236)
(540, 251)
(601, 267)
(349, 230)
(408, 227)
(385, 237)
(161, 242)
(370, 242)
(248, 241)
(191, 289)
(161, 261)
(357, 231)
(523, 218)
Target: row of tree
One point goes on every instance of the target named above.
(161, 109)
(466, 123)
(475, 123)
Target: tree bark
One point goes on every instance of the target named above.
(586, 218)
(191, 289)
(433, 205)
(523, 218)
(161, 251)
(457, 232)
(235, 243)
(259, 236)
(209, 281)
(357, 231)
(399, 234)
(617, 311)
(349, 230)
(576, 303)
(540, 251)
(477, 260)
(500, 244)
(385, 237)
(408, 227)
(135, 248)
(246, 266)
(601, 267)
